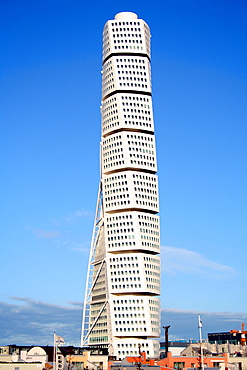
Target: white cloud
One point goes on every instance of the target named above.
(226, 316)
(184, 323)
(45, 234)
(180, 260)
(81, 249)
(74, 216)
(77, 247)
(27, 321)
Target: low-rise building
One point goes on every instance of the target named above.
(188, 362)
(21, 366)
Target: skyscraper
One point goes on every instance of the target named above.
(122, 305)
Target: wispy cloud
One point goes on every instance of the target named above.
(68, 230)
(77, 247)
(180, 260)
(46, 234)
(72, 217)
(184, 323)
(81, 248)
(77, 215)
(25, 321)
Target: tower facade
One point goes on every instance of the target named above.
(122, 305)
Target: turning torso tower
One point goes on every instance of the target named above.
(122, 305)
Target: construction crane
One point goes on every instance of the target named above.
(243, 339)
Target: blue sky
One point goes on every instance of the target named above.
(50, 133)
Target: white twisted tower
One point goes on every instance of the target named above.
(122, 305)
